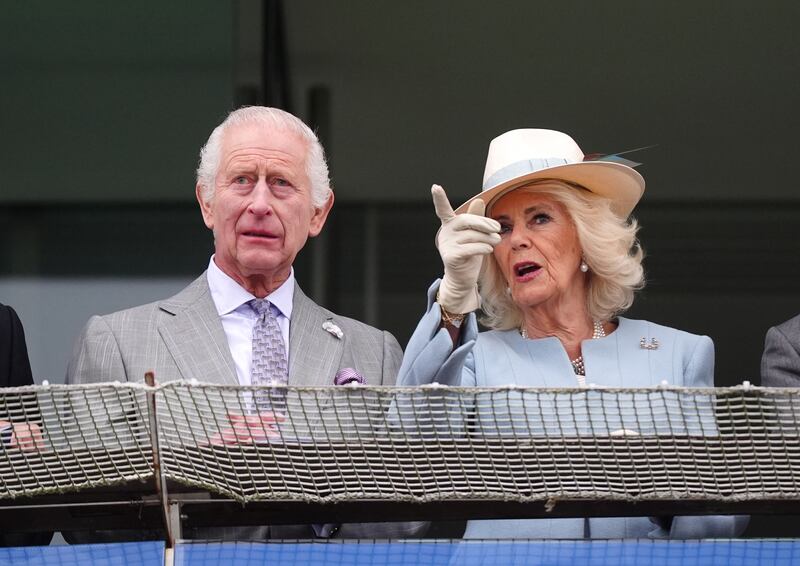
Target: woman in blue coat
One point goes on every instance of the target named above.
(547, 251)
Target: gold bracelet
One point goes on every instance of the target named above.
(454, 320)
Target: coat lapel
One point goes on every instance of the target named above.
(549, 361)
(314, 353)
(602, 359)
(618, 361)
(195, 337)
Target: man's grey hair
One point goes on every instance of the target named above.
(316, 166)
(609, 247)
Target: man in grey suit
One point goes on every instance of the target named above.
(780, 363)
(263, 190)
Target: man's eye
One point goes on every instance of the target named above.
(241, 180)
(279, 182)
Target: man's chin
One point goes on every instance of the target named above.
(251, 265)
(264, 264)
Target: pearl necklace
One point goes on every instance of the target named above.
(577, 364)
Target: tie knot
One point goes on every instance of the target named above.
(259, 306)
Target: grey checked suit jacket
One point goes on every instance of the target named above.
(182, 338)
(780, 363)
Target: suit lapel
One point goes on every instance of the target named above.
(314, 353)
(194, 336)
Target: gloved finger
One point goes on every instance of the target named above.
(475, 237)
(471, 250)
(473, 222)
(477, 207)
(443, 209)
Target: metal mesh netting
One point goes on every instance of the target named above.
(78, 436)
(412, 444)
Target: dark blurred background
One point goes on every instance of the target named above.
(104, 106)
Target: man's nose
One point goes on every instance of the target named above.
(261, 201)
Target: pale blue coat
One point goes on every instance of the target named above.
(497, 358)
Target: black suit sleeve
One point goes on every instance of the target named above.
(15, 370)
(15, 367)
(18, 366)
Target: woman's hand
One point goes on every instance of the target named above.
(463, 240)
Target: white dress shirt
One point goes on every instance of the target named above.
(238, 319)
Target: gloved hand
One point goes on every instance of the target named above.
(463, 240)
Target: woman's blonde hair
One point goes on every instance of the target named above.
(609, 248)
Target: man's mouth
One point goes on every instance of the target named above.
(525, 269)
(259, 234)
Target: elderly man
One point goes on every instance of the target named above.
(263, 190)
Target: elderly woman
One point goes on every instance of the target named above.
(552, 264)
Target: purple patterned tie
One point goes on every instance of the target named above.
(269, 356)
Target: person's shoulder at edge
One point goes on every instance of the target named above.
(790, 327)
(9, 318)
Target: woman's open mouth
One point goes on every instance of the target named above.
(526, 270)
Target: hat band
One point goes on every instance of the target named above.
(521, 168)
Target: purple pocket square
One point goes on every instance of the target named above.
(346, 376)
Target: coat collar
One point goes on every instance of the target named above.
(604, 362)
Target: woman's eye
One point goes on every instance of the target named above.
(505, 228)
(541, 218)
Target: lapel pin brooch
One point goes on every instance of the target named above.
(333, 328)
(651, 344)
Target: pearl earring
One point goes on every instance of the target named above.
(584, 268)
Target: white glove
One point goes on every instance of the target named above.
(463, 240)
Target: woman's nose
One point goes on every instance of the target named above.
(519, 238)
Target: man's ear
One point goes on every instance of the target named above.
(319, 217)
(205, 207)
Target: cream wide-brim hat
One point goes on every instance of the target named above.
(520, 157)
